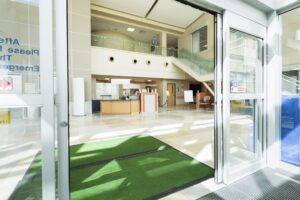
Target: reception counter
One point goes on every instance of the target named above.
(120, 106)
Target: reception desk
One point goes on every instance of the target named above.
(120, 106)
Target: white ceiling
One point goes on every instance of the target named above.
(135, 7)
(139, 34)
(169, 12)
(174, 13)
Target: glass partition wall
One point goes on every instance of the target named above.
(290, 105)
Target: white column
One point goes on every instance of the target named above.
(164, 43)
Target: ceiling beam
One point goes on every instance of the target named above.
(149, 11)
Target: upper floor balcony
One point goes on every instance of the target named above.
(105, 41)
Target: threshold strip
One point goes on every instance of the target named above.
(79, 167)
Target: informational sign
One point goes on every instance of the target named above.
(6, 83)
(11, 84)
(19, 60)
(237, 86)
(12, 54)
(188, 96)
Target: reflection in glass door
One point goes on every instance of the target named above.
(26, 118)
(243, 103)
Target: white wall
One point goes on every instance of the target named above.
(185, 41)
(79, 46)
(123, 65)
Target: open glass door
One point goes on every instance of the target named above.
(27, 164)
(243, 96)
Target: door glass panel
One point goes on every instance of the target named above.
(20, 152)
(20, 127)
(245, 115)
(242, 131)
(245, 62)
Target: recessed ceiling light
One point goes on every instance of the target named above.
(130, 29)
(120, 81)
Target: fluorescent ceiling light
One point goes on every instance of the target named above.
(120, 81)
(149, 80)
(298, 35)
(130, 29)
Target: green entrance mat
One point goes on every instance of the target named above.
(139, 167)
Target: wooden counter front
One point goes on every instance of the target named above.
(120, 106)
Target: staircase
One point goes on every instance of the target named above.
(199, 69)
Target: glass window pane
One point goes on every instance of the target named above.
(245, 63)
(290, 112)
(196, 41)
(242, 131)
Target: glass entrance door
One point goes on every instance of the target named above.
(26, 100)
(243, 97)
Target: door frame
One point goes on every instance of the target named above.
(62, 98)
(244, 25)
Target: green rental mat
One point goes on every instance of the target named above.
(133, 168)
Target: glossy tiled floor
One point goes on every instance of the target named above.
(188, 130)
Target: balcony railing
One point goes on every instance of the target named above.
(199, 65)
(290, 85)
(128, 45)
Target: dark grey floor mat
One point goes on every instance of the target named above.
(266, 184)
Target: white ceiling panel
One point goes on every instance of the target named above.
(174, 13)
(138, 34)
(134, 7)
